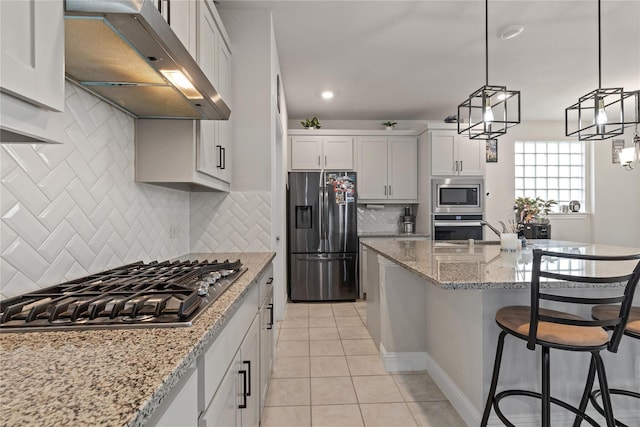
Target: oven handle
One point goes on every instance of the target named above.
(457, 224)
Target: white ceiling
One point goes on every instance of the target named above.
(413, 60)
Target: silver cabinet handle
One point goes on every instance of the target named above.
(325, 161)
(389, 190)
(456, 166)
(318, 160)
(461, 168)
(385, 190)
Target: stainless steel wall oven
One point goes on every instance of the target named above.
(457, 227)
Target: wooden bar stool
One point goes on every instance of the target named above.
(561, 330)
(607, 312)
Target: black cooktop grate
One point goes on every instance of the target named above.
(134, 295)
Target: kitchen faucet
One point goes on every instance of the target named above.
(495, 230)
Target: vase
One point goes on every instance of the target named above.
(389, 128)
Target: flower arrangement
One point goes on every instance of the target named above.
(528, 209)
(389, 124)
(312, 123)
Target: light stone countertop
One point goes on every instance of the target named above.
(457, 265)
(397, 235)
(109, 377)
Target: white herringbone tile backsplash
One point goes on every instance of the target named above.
(73, 209)
(237, 221)
(383, 220)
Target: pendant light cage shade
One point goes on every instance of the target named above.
(600, 114)
(489, 112)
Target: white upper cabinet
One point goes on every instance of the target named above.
(214, 57)
(31, 70)
(388, 169)
(33, 52)
(455, 155)
(321, 152)
(182, 18)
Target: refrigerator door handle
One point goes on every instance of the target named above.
(327, 257)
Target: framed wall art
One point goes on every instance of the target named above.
(492, 151)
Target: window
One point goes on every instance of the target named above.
(551, 170)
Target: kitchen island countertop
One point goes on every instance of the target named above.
(109, 377)
(483, 265)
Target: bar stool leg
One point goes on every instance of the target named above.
(494, 380)
(546, 388)
(606, 398)
(587, 392)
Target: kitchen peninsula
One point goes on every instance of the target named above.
(431, 305)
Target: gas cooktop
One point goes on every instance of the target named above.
(138, 295)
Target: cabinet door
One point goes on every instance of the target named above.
(32, 52)
(250, 362)
(372, 174)
(208, 39)
(338, 152)
(306, 152)
(267, 346)
(209, 155)
(181, 405)
(471, 155)
(403, 168)
(183, 22)
(223, 85)
(224, 411)
(223, 81)
(443, 161)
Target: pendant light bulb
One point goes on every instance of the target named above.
(488, 112)
(601, 115)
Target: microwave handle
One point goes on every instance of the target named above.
(457, 224)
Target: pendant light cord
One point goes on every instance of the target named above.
(486, 41)
(599, 49)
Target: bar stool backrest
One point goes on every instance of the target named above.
(625, 298)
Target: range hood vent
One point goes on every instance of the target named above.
(125, 52)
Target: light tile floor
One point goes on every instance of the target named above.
(328, 373)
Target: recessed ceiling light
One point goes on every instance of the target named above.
(327, 94)
(510, 32)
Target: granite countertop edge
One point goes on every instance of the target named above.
(481, 286)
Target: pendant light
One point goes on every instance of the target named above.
(490, 110)
(600, 113)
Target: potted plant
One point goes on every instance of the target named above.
(530, 210)
(312, 123)
(389, 125)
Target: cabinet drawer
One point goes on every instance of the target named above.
(265, 283)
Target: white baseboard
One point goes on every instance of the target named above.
(408, 361)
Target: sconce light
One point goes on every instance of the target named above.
(630, 156)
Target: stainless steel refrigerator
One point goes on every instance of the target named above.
(323, 240)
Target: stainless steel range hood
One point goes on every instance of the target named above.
(126, 53)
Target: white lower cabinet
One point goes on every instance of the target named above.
(181, 408)
(227, 384)
(267, 344)
(236, 402)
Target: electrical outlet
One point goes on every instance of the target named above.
(174, 232)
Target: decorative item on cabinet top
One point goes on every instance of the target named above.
(312, 123)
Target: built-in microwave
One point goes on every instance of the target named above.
(457, 195)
